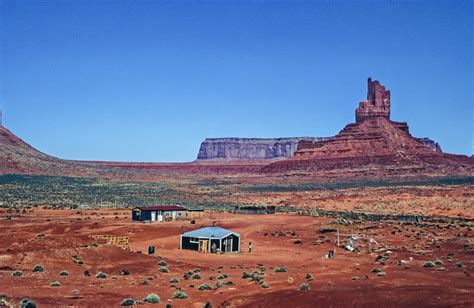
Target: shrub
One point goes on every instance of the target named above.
(164, 269)
(281, 269)
(127, 302)
(87, 273)
(55, 283)
(38, 268)
(174, 280)
(309, 277)
(355, 278)
(101, 275)
(64, 273)
(124, 272)
(162, 263)
(220, 284)
(168, 305)
(264, 285)
(152, 299)
(222, 276)
(459, 265)
(428, 264)
(204, 286)
(17, 273)
(438, 262)
(376, 270)
(208, 304)
(187, 275)
(180, 295)
(196, 276)
(381, 274)
(304, 287)
(27, 303)
(197, 270)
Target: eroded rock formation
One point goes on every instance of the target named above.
(377, 103)
(250, 148)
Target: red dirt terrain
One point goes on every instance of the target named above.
(56, 239)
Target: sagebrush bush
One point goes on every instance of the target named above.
(101, 275)
(64, 273)
(428, 264)
(309, 277)
(180, 295)
(17, 273)
(127, 302)
(152, 299)
(174, 280)
(196, 276)
(304, 287)
(27, 303)
(38, 268)
(164, 269)
(204, 286)
(162, 263)
(264, 285)
(281, 269)
(55, 283)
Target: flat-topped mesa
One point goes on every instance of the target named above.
(377, 103)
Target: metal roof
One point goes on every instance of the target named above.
(208, 232)
(161, 208)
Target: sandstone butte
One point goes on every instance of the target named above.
(373, 145)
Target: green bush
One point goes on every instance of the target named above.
(38, 268)
(101, 275)
(197, 270)
(152, 299)
(222, 276)
(264, 285)
(429, 264)
(204, 286)
(281, 269)
(164, 269)
(438, 262)
(64, 273)
(55, 283)
(162, 263)
(174, 280)
(381, 274)
(376, 270)
(180, 295)
(309, 277)
(304, 287)
(196, 276)
(17, 273)
(127, 302)
(124, 272)
(27, 303)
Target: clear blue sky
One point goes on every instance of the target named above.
(149, 80)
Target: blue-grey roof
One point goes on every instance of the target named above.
(207, 232)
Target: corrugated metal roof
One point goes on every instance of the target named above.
(208, 232)
(161, 208)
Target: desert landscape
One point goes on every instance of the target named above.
(371, 215)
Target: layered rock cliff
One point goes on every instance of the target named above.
(250, 148)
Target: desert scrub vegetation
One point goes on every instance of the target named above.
(17, 273)
(127, 302)
(64, 273)
(428, 264)
(27, 303)
(304, 287)
(164, 269)
(281, 269)
(101, 275)
(55, 283)
(180, 295)
(204, 286)
(38, 268)
(264, 285)
(309, 277)
(196, 276)
(174, 280)
(152, 299)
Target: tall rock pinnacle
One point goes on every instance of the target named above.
(377, 103)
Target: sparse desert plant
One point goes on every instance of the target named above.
(17, 273)
(168, 305)
(208, 304)
(164, 269)
(152, 299)
(264, 285)
(127, 302)
(459, 265)
(438, 262)
(281, 269)
(174, 280)
(27, 303)
(180, 295)
(220, 284)
(428, 264)
(162, 263)
(196, 276)
(309, 277)
(381, 274)
(124, 272)
(87, 273)
(55, 283)
(304, 287)
(355, 278)
(204, 286)
(376, 270)
(64, 273)
(38, 268)
(197, 270)
(222, 276)
(101, 275)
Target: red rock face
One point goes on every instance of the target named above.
(377, 103)
(373, 143)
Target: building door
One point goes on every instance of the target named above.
(160, 216)
(228, 244)
(153, 216)
(203, 245)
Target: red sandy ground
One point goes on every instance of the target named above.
(65, 231)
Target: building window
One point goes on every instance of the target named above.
(194, 240)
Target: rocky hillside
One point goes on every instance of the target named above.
(250, 148)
